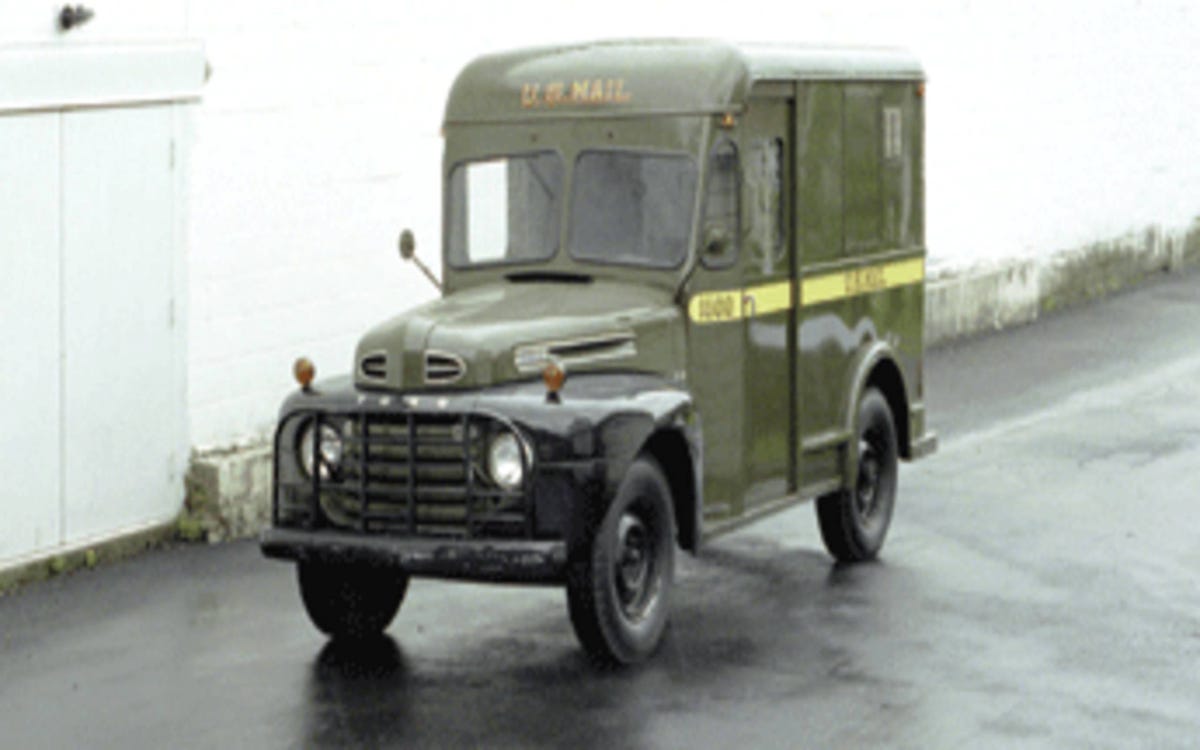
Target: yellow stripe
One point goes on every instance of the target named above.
(764, 299)
(735, 304)
(850, 283)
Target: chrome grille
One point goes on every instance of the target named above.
(422, 475)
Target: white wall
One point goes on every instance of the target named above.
(1049, 125)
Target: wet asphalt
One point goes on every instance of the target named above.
(1038, 589)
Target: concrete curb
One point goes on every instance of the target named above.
(228, 489)
(965, 302)
(85, 555)
(228, 494)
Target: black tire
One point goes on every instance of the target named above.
(619, 585)
(350, 602)
(855, 522)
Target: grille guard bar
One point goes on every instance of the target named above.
(476, 519)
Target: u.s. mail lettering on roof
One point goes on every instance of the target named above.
(583, 92)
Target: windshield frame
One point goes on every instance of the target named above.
(687, 134)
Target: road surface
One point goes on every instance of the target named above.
(1038, 589)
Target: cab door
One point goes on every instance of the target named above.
(768, 297)
(716, 336)
(741, 316)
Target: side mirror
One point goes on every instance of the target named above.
(408, 244)
(408, 251)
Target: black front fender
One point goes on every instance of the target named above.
(608, 420)
(588, 435)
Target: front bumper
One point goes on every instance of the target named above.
(506, 561)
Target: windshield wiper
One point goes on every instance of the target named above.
(560, 276)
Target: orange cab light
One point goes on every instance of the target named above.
(554, 376)
(305, 371)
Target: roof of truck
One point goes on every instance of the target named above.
(616, 78)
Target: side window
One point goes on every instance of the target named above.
(862, 178)
(766, 209)
(721, 230)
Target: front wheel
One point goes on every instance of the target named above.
(619, 586)
(854, 522)
(350, 602)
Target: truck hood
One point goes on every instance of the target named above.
(508, 331)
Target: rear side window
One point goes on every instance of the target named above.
(862, 176)
(765, 209)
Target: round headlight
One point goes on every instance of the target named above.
(506, 464)
(331, 449)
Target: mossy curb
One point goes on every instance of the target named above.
(227, 493)
(1102, 269)
(200, 519)
(85, 557)
(964, 303)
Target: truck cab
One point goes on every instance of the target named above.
(682, 288)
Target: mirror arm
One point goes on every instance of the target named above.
(408, 251)
(428, 274)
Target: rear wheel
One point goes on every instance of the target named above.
(350, 602)
(854, 522)
(619, 586)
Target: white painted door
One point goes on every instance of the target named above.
(122, 418)
(30, 418)
(93, 424)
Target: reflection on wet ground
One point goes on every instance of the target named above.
(755, 624)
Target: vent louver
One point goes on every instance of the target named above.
(442, 368)
(374, 366)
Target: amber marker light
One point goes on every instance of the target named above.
(553, 376)
(305, 371)
(728, 121)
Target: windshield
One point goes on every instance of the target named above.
(505, 210)
(627, 208)
(632, 208)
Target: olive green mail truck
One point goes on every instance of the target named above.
(682, 287)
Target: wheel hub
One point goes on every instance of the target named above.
(868, 478)
(633, 560)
